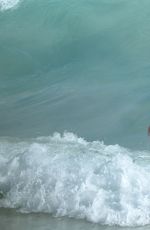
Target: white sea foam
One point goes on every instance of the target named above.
(68, 176)
(8, 4)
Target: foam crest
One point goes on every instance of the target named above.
(68, 176)
(8, 4)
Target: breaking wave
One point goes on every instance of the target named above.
(68, 176)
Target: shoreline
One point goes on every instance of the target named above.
(10, 219)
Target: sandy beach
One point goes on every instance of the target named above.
(12, 220)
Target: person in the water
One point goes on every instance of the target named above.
(149, 131)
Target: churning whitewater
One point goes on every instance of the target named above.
(8, 4)
(68, 176)
(81, 66)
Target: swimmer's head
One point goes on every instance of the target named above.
(148, 131)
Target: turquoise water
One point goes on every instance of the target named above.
(81, 69)
(80, 66)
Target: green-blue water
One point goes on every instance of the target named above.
(80, 66)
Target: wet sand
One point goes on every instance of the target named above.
(12, 220)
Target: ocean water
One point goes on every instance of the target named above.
(74, 113)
